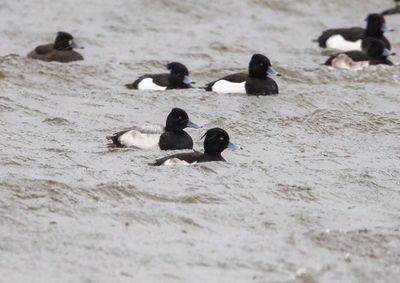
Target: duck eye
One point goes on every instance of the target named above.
(221, 138)
(70, 42)
(180, 117)
(262, 65)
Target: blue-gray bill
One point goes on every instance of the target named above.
(386, 52)
(190, 124)
(386, 28)
(271, 71)
(234, 146)
(187, 80)
(74, 45)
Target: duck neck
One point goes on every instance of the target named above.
(256, 73)
(173, 130)
(373, 30)
(175, 81)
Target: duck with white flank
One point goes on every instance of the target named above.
(178, 78)
(255, 82)
(356, 38)
(170, 137)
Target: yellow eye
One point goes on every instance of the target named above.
(221, 138)
(262, 65)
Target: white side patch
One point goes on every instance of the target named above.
(342, 61)
(148, 84)
(223, 86)
(140, 140)
(338, 42)
(177, 161)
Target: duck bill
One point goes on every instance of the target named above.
(234, 146)
(271, 71)
(386, 52)
(74, 45)
(187, 80)
(190, 124)
(386, 28)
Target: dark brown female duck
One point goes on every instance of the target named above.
(60, 51)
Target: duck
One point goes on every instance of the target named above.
(62, 50)
(178, 78)
(215, 142)
(395, 10)
(255, 82)
(170, 137)
(375, 54)
(356, 38)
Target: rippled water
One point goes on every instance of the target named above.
(313, 197)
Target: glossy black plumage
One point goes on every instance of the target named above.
(374, 29)
(174, 80)
(215, 142)
(256, 81)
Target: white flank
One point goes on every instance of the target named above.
(342, 61)
(223, 86)
(137, 139)
(148, 84)
(177, 161)
(338, 42)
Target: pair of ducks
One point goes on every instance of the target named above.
(360, 47)
(255, 82)
(173, 137)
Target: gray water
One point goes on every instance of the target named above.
(313, 196)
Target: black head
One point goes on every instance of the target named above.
(216, 141)
(179, 74)
(260, 67)
(178, 120)
(377, 49)
(376, 25)
(65, 41)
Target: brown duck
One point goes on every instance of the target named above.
(60, 51)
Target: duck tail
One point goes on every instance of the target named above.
(130, 86)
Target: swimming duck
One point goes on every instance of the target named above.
(178, 78)
(256, 82)
(356, 38)
(60, 51)
(170, 137)
(215, 142)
